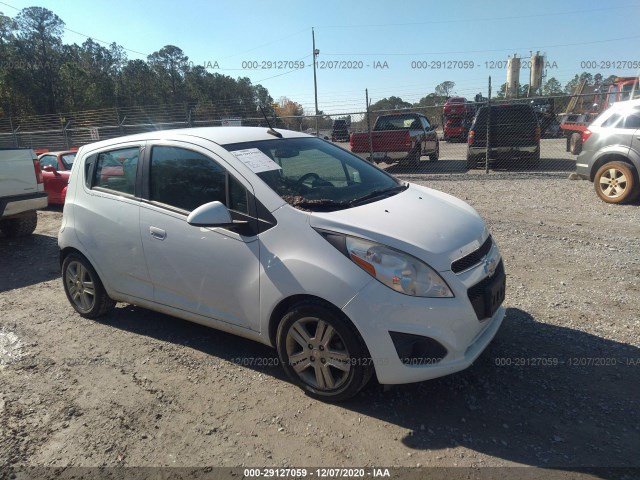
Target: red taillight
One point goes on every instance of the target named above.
(472, 134)
(585, 135)
(36, 167)
(407, 140)
(537, 134)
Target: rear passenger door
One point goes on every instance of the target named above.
(632, 124)
(107, 219)
(211, 272)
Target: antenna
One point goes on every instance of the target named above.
(271, 131)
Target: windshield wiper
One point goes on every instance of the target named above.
(319, 204)
(379, 193)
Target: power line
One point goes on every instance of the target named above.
(482, 19)
(540, 47)
(84, 35)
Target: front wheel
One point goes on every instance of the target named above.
(322, 353)
(83, 287)
(616, 182)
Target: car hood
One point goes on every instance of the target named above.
(430, 225)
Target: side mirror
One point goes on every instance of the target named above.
(212, 214)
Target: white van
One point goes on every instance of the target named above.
(288, 240)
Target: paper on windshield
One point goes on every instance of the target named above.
(256, 160)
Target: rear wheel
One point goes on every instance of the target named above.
(322, 352)
(472, 162)
(20, 226)
(435, 155)
(534, 160)
(616, 182)
(413, 159)
(84, 288)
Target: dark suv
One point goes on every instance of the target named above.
(340, 131)
(514, 133)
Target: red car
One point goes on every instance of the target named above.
(457, 107)
(456, 128)
(56, 169)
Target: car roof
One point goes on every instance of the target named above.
(58, 153)
(219, 135)
(623, 105)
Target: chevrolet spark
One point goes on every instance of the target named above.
(288, 240)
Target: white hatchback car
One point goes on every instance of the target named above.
(289, 240)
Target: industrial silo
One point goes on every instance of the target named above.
(513, 76)
(537, 70)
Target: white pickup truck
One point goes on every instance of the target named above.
(21, 191)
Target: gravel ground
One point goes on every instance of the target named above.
(558, 387)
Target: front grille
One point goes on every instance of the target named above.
(487, 295)
(473, 258)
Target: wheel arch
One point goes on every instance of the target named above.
(65, 252)
(287, 303)
(612, 157)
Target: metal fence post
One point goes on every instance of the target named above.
(366, 92)
(488, 147)
(13, 133)
(120, 122)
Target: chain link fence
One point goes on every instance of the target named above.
(458, 136)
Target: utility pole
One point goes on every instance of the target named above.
(315, 82)
(488, 151)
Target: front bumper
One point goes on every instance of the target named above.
(377, 310)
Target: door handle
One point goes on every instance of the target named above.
(157, 233)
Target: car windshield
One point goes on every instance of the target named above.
(67, 159)
(315, 175)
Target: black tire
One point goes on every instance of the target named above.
(413, 159)
(96, 305)
(575, 143)
(616, 182)
(472, 162)
(534, 160)
(433, 157)
(20, 226)
(316, 372)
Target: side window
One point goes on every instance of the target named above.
(49, 161)
(632, 121)
(116, 170)
(186, 179)
(425, 123)
(614, 121)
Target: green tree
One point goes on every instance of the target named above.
(552, 87)
(170, 65)
(391, 103)
(445, 89)
(137, 84)
(39, 44)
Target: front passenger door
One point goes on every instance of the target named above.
(212, 272)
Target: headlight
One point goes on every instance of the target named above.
(398, 271)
